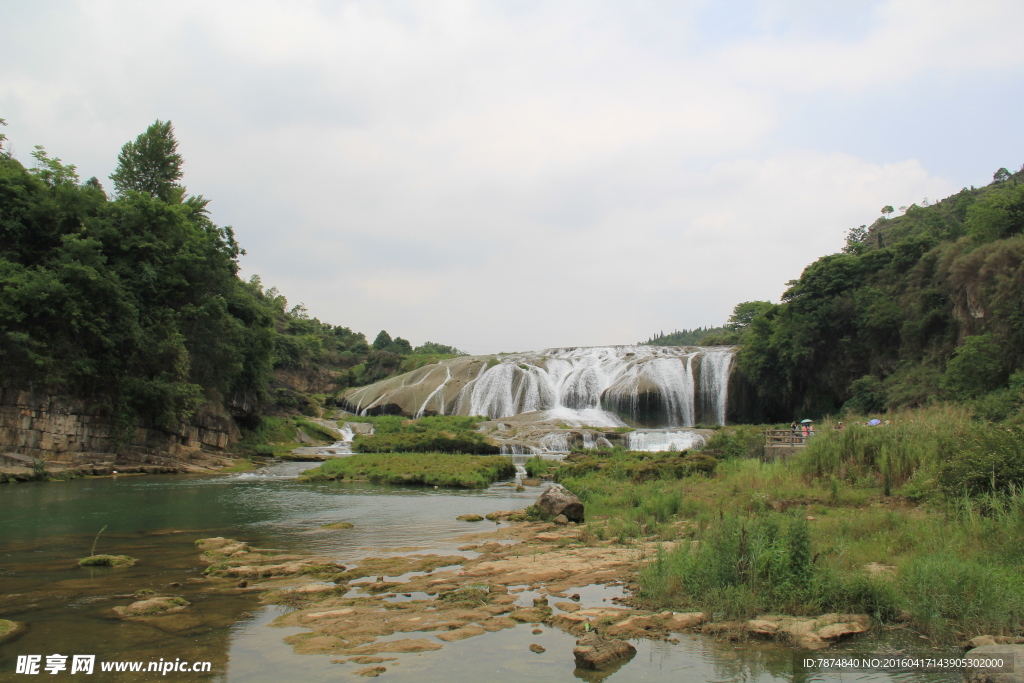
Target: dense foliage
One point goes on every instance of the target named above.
(133, 300)
(925, 306)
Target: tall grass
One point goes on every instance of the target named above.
(913, 442)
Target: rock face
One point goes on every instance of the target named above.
(75, 432)
(594, 652)
(558, 500)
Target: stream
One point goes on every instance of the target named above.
(46, 527)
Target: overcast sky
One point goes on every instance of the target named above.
(520, 174)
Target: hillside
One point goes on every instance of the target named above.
(130, 304)
(926, 306)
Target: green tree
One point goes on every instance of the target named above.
(743, 314)
(887, 210)
(383, 341)
(1001, 176)
(151, 165)
(976, 368)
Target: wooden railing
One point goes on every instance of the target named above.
(785, 438)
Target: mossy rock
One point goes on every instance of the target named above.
(10, 630)
(152, 607)
(107, 561)
(337, 525)
(470, 518)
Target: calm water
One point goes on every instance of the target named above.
(46, 527)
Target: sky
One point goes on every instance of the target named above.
(517, 175)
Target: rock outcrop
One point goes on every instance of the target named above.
(75, 433)
(594, 652)
(558, 500)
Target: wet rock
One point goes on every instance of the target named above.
(992, 651)
(537, 631)
(461, 633)
(594, 652)
(634, 627)
(812, 634)
(337, 525)
(567, 606)
(174, 584)
(561, 519)
(470, 518)
(9, 630)
(370, 660)
(243, 583)
(403, 645)
(540, 602)
(558, 500)
(534, 647)
(371, 671)
(152, 607)
(684, 620)
(530, 615)
(571, 623)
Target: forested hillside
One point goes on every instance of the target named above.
(132, 298)
(926, 306)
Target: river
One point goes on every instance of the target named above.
(46, 527)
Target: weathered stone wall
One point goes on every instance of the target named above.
(69, 430)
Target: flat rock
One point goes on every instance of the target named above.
(594, 652)
(809, 633)
(682, 621)
(402, 645)
(461, 633)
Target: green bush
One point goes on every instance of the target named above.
(976, 368)
(427, 442)
(742, 567)
(433, 469)
(985, 459)
(741, 441)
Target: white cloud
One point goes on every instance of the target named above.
(496, 175)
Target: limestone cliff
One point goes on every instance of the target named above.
(73, 432)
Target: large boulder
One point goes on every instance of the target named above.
(558, 500)
(594, 652)
(1013, 671)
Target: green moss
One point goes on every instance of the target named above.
(107, 561)
(337, 525)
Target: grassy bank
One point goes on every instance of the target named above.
(434, 469)
(901, 522)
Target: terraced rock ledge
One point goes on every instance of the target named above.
(356, 612)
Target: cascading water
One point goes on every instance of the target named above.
(663, 440)
(595, 386)
(714, 382)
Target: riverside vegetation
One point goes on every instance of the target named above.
(919, 523)
(131, 300)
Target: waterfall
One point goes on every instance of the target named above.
(714, 381)
(663, 440)
(593, 386)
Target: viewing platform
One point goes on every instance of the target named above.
(785, 438)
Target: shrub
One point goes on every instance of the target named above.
(976, 368)
(428, 442)
(741, 441)
(985, 459)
